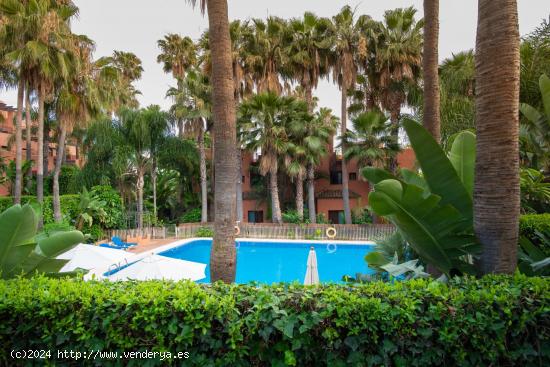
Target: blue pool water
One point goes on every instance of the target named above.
(270, 262)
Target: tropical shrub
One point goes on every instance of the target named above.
(433, 212)
(535, 192)
(386, 250)
(530, 224)
(69, 179)
(291, 216)
(204, 232)
(493, 321)
(113, 206)
(192, 216)
(361, 216)
(23, 251)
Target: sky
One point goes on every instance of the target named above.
(137, 25)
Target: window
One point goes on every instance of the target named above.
(336, 216)
(255, 216)
(242, 180)
(335, 177)
(353, 176)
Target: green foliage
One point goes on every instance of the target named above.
(497, 320)
(204, 232)
(113, 206)
(435, 218)
(535, 192)
(361, 216)
(192, 216)
(386, 250)
(23, 252)
(69, 206)
(530, 224)
(69, 179)
(291, 216)
(531, 259)
(321, 219)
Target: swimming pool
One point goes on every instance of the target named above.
(281, 261)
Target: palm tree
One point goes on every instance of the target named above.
(133, 126)
(51, 64)
(77, 99)
(158, 125)
(398, 61)
(308, 52)
(430, 63)
(266, 53)
(263, 120)
(371, 142)
(192, 103)
(178, 54)
(309, 138)
(496, 186)
(223, 256)
(346, 42)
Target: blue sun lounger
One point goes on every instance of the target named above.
(117, 243)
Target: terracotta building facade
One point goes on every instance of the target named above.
(328, 187)
(7, 144)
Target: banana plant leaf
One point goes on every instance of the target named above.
(432, 228)
(17, 228)
(438, 171)
(375, 175)
(463, 159)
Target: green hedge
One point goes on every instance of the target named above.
(498, 320)
(69, 206)
(531, 223)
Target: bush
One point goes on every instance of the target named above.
(114, 208)
(68, 179)
(291, 216)
(192, 216)
(361, 216)
(204, 232)
(498, 320)
(530, 224)
(69, 206)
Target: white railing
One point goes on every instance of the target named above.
(366, 232)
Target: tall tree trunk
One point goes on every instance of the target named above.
(276, 216)
(496, 188)
(204, 182)
(345, 177)
(46, 148)
(239, 184)
(300, 195)
(154, 183)
(58, 162)
(223, 261)
(311, 193)
(40, 159)
(430, 63)
(394, 119)
(19, 143)
(28, 136)
(140, 184)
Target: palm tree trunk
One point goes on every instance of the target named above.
(345, 177)
(58, 162)
(311, 193)
(28, 136)
(19, 143)
(139, 184)
(204, 182)
(276, 216)
(46, 148)
(223, 261)
(300, 195)
(239, 185)
(431, 117)
(154, 183)
(394, 119)
(40, 159)
(496, 187)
